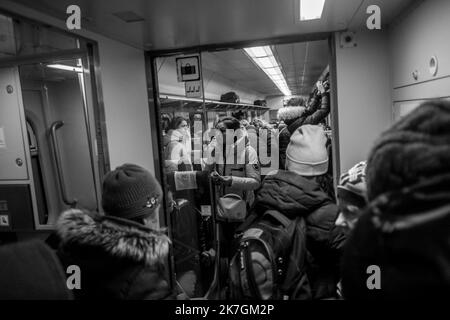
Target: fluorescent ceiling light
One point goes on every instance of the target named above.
(265, 63)
(274, 72)
(311, 9)
(264, 58)
(257, 52)
(65, 67)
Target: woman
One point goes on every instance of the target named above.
(234, 168)
(303, 190)
(177, 146)
(121, 255)
(233, 162)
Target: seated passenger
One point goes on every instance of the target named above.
(404, 234)
(303, 190)
(120, 254)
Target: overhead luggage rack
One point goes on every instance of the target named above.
(173, 103)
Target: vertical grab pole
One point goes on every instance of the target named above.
(215, 285)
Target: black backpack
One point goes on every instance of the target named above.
(270, 259)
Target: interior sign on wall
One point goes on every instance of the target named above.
(193, 89)
(188, 68)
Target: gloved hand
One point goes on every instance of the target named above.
(221, 180)
(320, 87)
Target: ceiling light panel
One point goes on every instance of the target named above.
(265, 60)
(311, 9)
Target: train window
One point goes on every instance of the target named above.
(248, 86)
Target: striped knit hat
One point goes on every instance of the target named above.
(352, 186)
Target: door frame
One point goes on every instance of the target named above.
(95, 126)
(155, 105)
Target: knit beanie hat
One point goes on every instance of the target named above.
(130, 192)
(290, 114)
(306, 153)
(414, 149)
(352, 186)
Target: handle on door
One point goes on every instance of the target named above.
(55, 126)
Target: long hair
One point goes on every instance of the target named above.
(176, 122)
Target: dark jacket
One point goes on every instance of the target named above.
(294, 195)
(31, 271)
(407, 236)
(118, 258)
(312, 115)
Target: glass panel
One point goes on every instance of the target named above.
(54, 103)
(182, 122)
(234, 86)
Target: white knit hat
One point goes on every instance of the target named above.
(306, 153)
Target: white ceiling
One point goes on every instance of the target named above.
(302, 64)
(171, 24)
(177, 24)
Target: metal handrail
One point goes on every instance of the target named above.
(56, 125)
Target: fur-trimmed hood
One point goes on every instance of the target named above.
(118, 238)
(290, 113)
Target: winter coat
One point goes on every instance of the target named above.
(295, 195)
(245, 171)
(30, 270)
(312, 115)
(118, 258)
(406, 234)
(177, 151)
(263, 140)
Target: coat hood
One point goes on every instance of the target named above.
(406, 234)
(291, 194)
(118, 238)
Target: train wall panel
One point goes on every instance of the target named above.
(363, 94)
(414, 39)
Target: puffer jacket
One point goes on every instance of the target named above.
(406, 234)
(312, 115)
(295, 195)
(118, 258)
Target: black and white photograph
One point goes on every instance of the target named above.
(225, 155)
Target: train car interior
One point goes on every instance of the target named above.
(159, 83)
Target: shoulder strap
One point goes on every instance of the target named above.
(285, 221)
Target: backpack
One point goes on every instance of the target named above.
(270, 259)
